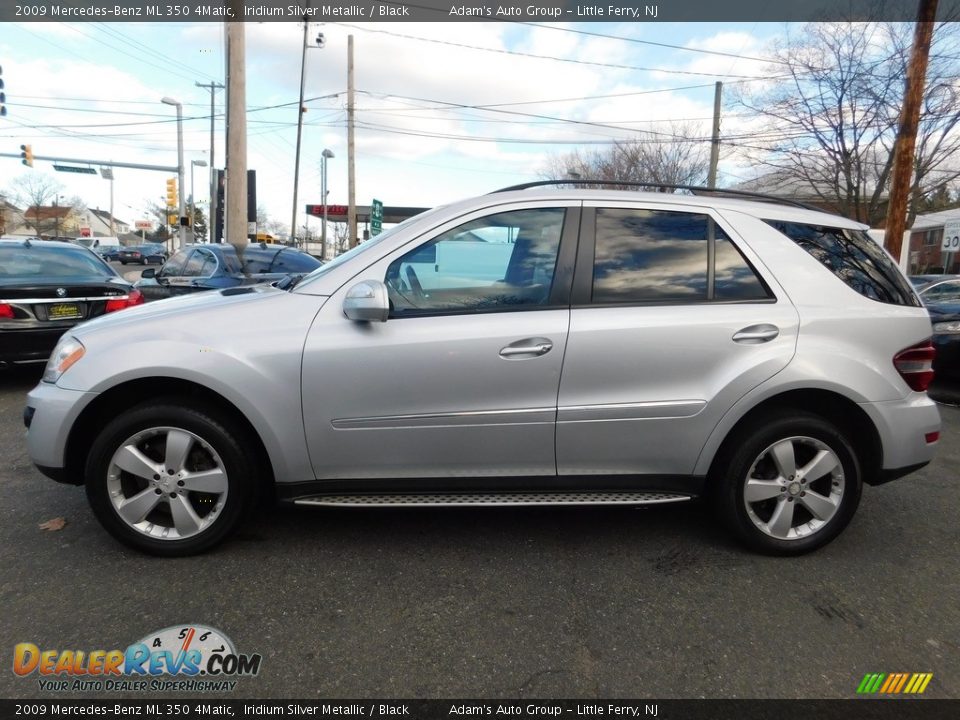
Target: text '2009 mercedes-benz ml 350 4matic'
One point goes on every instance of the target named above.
(528, 347)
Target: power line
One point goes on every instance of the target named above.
(520, 53)
(655, 44)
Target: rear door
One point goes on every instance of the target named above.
(671, 323)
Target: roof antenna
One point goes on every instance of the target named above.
(26, 243)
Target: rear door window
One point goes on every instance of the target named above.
(661, 256)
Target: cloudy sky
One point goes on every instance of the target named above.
(444, 110)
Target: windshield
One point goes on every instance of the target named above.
(363, 247)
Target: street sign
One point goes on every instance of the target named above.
(72, 169)
(143, 224)
(376, 218)
(951, 236)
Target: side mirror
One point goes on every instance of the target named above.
(148, 273)
(367, 301)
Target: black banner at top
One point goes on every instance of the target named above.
(642, 11)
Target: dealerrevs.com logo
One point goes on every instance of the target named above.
(180, 658)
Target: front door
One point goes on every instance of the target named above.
(462, 379)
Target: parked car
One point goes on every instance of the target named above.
(142, 254)
(47, 287)
(576, 347)
(941, 295)
(110, 253)
(216, 266)
(937, 288)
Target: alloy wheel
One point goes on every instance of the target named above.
(167, 483)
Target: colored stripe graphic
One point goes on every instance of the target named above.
(894, 683)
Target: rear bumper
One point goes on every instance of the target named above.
(29, 345)
(886, 476)
(903, 426)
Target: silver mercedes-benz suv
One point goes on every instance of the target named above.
(528, 347)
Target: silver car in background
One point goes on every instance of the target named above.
(525, 347)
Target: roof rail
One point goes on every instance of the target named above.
(661, 187)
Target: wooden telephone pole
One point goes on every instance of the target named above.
(903, 158)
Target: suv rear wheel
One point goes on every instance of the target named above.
(789, 484)
(169, 479)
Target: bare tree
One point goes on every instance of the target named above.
(36, 190)
(677, 155)
(828, 121)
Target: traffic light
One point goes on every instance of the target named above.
(26, 155)
(172, 220)
(172, 192)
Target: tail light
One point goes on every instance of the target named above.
(6, 311)
(915, 365)
(134, 297)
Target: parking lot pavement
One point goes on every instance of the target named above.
(502, 602)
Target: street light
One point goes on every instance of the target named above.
(320, 41)
(171, 101)
(324, 156)
(193, 198)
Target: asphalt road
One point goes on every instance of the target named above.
(501, 603)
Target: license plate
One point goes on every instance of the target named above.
(64, 311)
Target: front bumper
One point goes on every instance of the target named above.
(52, 411)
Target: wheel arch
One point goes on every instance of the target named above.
(132, 392)
(830, 405)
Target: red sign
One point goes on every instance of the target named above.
(317, 210)
(84, 232)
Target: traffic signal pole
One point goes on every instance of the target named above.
(109, 163)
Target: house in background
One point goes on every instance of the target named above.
(98, 221)
(11, 218)
(926, 244)
(787, 186)
(49, 221)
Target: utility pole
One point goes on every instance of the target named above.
(212, 211)
(351, 173)
(296, 162)
(235, 217)
(903, 156)
(715, 141)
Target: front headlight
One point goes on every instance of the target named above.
(946, 328)
(65, 354)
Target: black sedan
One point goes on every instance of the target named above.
(142, 254)
(108, 252)
(217, 266)
(47, 287)
(946, 337)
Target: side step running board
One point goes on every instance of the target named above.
(492, 499)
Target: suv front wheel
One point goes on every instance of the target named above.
(789, 484)
(170, 479)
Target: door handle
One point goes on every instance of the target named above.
(536, 347)
(756, 334)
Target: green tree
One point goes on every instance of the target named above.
(199, 223)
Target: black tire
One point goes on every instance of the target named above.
(123, 262)
(749, 455)
(216, 432)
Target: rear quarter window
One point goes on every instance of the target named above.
(853, 257)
